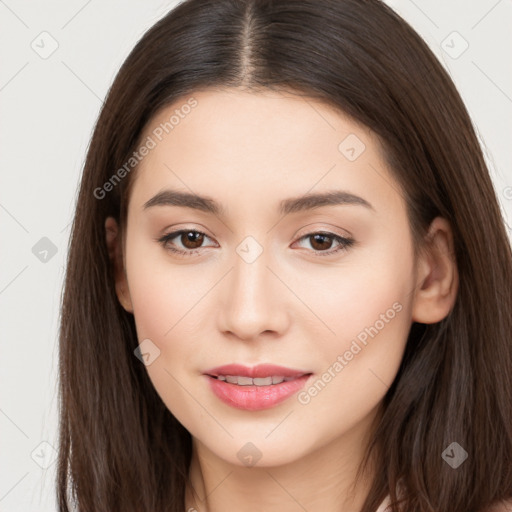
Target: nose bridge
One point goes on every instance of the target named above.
(253, 303)
(250, 273)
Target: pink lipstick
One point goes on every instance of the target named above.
(255, 388)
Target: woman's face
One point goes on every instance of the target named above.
(253, 285)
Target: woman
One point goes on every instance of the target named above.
(288, 284)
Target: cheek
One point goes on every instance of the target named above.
(368, 309)
(366, 306)
(163, 301)
(163, 294)
(366, 289)
(156, 303)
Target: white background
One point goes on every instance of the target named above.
(48, 109)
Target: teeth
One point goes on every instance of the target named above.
(247, 381)
(244, 381)
(267, 381)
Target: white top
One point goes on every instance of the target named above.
(383, 506)
(497, 507)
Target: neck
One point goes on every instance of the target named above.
(324, 479)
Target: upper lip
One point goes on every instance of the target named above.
(259, 371)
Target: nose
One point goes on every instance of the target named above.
(253, 300)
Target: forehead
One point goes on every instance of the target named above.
(231, 119)
(242, 145)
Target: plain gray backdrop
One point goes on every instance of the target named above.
(58, 60)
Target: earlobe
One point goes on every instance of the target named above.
(437, 275)
(116, 258)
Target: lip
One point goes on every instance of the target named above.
(255, 398)
(259, 371)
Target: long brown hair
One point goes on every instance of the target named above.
(120, 448)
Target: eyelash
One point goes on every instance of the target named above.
(345, 243)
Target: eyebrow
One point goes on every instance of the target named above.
(291, 205)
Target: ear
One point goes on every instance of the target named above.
(437, 275)
(115, 252)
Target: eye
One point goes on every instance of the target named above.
(322, 242)
(190, 240)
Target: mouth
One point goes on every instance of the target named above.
(255, 388)
(240, 380)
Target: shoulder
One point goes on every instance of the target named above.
(499, 506)
(502, 506)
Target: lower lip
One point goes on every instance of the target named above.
(255, 398)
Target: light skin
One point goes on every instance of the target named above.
(293, 305)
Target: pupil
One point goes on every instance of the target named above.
(321, 238)
(192, 237)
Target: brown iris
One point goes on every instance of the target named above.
(192, 237)
(319, 241)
